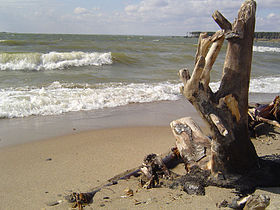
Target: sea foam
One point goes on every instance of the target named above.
(52, 60)
(59, 97)
(258, 85)
(266, 49)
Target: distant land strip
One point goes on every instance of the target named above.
(258, 35)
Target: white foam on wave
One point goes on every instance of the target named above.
(258, 85)
(266, 49)
(52, 60)
(265, 85)
(59, 98)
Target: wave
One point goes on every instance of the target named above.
(52, 60)
(13, 42)
(258, 85)
(25, 42)
(124, 58)
(58, 98)
(265, 49)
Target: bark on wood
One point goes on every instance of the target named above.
(194, 147)
(221, 21)
(226, 110)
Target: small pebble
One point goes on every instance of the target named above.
(222, 204)
(106, 198)
(128, 192)
(53, 203)
(102, 205)
(48, 159)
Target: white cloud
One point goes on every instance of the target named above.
(271, 22)
(164, 17)
(268, 3)
(271, 16)
(192, 15)
(180, 9)
(131, 8)
(80, 10)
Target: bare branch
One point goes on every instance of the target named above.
(218, 39)
(221, 21)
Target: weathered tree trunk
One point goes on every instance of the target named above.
(226, 110)
(229, 151)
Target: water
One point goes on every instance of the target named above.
(52, 74)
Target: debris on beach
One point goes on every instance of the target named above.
(227, 158)
(260, 114)
(54, 203)
(259, 202)
(79, 200)
(128, 193)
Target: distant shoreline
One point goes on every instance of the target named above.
(260, 36)
(267, 40)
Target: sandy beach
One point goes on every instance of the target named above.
(35, 174)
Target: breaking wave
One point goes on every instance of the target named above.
(52, 60)
(258, 85)
(58, 98)
(266, 49)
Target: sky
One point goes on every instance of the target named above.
(127, 17)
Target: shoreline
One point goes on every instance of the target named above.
(37, 172)
(35, 128)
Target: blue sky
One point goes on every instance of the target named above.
(137, 17)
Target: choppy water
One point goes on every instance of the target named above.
(50, 74)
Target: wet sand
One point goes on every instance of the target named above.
(22, 130)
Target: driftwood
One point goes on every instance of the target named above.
(264, 113)
(225, 111)
(227, 158)
(194, 147)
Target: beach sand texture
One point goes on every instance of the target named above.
(38, 173)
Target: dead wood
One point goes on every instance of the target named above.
(169, 161)
(225, 111)
(228, 158)
(194, 147)
(264, 113)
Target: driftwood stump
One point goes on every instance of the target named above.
(227, 158)
(228, 154)
(225, 111)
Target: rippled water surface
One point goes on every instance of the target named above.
(50, 74)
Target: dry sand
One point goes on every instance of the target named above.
(38, 173)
